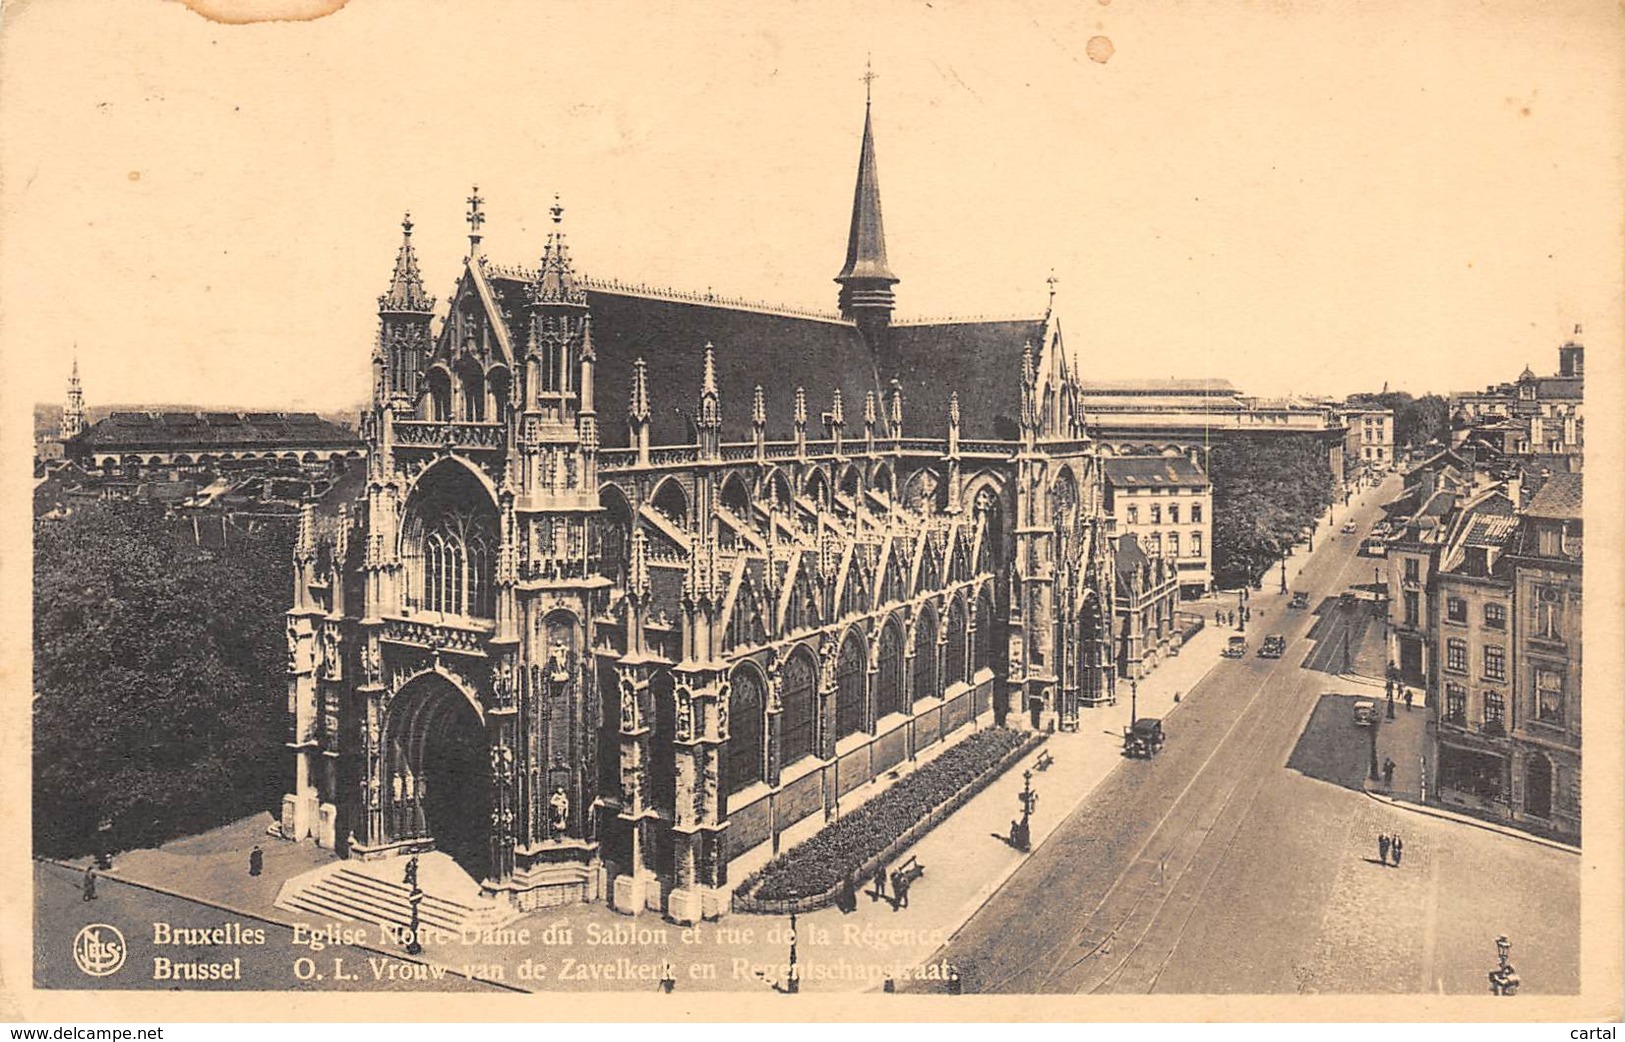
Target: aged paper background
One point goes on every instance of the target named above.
(193, 255)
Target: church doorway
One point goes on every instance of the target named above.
(439, 772)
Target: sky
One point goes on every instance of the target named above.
(1297, 199)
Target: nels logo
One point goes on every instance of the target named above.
(99, 950)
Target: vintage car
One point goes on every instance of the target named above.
(1274, 646)
(1300, 601)
(1235, 648)
(1365, 713)
(1375, 546)
(1349, 528)
(1144, 739)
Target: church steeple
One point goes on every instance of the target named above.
(405, 292)
(404, 310)
(73, 412)
(866, 281)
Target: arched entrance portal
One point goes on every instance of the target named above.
(438, 772)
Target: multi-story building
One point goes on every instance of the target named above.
(1166, 503)
(595, 660)
(1485, 617)
(1534, 416)
(1472, 647)
(1370, 445)
(1545, 721)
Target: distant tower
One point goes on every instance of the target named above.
(866, 296)
(1572, 356)
(73, 412)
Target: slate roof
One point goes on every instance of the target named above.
(1149, 471)
(215, 430)
(979, 360)
(1559, 498)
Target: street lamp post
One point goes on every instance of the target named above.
(1504, 979)
(415, 899)
(1133, 701)
(1283, 571)
(1023, 838)
(1372, 730)
(792, 983)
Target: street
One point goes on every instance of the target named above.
(1244, 858)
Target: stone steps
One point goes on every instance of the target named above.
(362, 891)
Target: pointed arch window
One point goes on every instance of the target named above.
(800, 699)
(925, 658)
(850, 670)
(889, 681)
(954, 654)
(745, 708)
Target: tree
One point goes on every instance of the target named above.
(1266, 490)
(159, 678)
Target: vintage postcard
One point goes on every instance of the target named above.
(907, 511)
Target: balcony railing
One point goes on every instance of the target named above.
(461, 435)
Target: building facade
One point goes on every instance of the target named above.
(597, 654)
(1371, 441)
(1533, 416)
(1147, 599)
(1166, 503)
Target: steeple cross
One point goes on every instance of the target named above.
(475, 217)
(1052, 281)
(869, 76)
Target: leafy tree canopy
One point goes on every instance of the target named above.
(160, 692)
(1266, 490)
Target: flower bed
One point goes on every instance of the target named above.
(810, 874)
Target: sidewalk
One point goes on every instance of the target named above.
(966, 860)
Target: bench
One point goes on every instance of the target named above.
(1045, 761)
(906, 874)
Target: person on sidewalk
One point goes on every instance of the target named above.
(1407, 700)
(849, 895)
(256, 861)
(1382, 847)
(1399, 850)
(1388, 772)
(90, 883)
(899, 889)
(879, 890)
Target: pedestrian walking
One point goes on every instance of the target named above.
(1383, 843)
(1407, 700)
(879, 890)
(256, 861)
(90, 883)
(899, 889)
(849, 895)
(1388, 772)
(1399, 850)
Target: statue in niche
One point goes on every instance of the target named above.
(559, 803)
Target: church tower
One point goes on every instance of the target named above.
(403, 328)
(866, 281)
(73, 411)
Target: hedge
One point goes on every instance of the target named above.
(816, 868)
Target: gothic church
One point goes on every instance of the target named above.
(595, 637)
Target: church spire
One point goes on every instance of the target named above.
(405, 292)
(73, 412)
(556, 280)
(866, 281)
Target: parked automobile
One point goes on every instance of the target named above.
(1349, 528)
(1144, 739)
(1235, 648)
(1300, 600)
(1365, 714)
(1374, 547)
(1274, 646)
